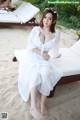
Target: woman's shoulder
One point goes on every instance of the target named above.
(36, 28)
(57, 31)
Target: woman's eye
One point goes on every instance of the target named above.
(50, 19)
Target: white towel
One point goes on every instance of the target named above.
(3, 10)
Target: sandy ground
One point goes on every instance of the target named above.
(65, 105)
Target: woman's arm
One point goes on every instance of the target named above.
(32, 46)
(54, 52)
(31, 43)
(43, 54)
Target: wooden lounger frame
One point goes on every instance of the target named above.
(31, 22)
(63, 80)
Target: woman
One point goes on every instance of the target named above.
(36, 72)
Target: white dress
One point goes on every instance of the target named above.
(34, 70)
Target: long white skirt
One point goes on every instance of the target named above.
(35, 71)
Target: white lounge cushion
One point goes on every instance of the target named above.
(9, 17)
(26, 11)
(69, 62)
(20, 54)
(3, 11)
(76, 48)
(22, 14)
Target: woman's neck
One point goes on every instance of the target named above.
(46, 29)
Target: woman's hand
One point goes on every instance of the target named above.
(45, 55)
(59, 55)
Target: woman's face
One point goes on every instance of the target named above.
(47, 20)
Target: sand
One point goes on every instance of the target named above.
(65, 105)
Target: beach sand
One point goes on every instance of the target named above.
(65, 105)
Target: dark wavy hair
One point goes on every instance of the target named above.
(54, 18)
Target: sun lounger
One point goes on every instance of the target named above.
(23, 15)
(69, 62)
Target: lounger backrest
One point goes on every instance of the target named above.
(76, 47)
(26, 11)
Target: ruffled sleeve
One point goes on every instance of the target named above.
(31, 43)
(56, 43)
(54, 52)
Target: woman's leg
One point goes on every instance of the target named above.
(43, 105)
(34, 109)
(46, 78)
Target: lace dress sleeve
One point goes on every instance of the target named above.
(32, 44)
(54, 52)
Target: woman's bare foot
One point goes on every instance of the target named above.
(44, 109)
(36, 114)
